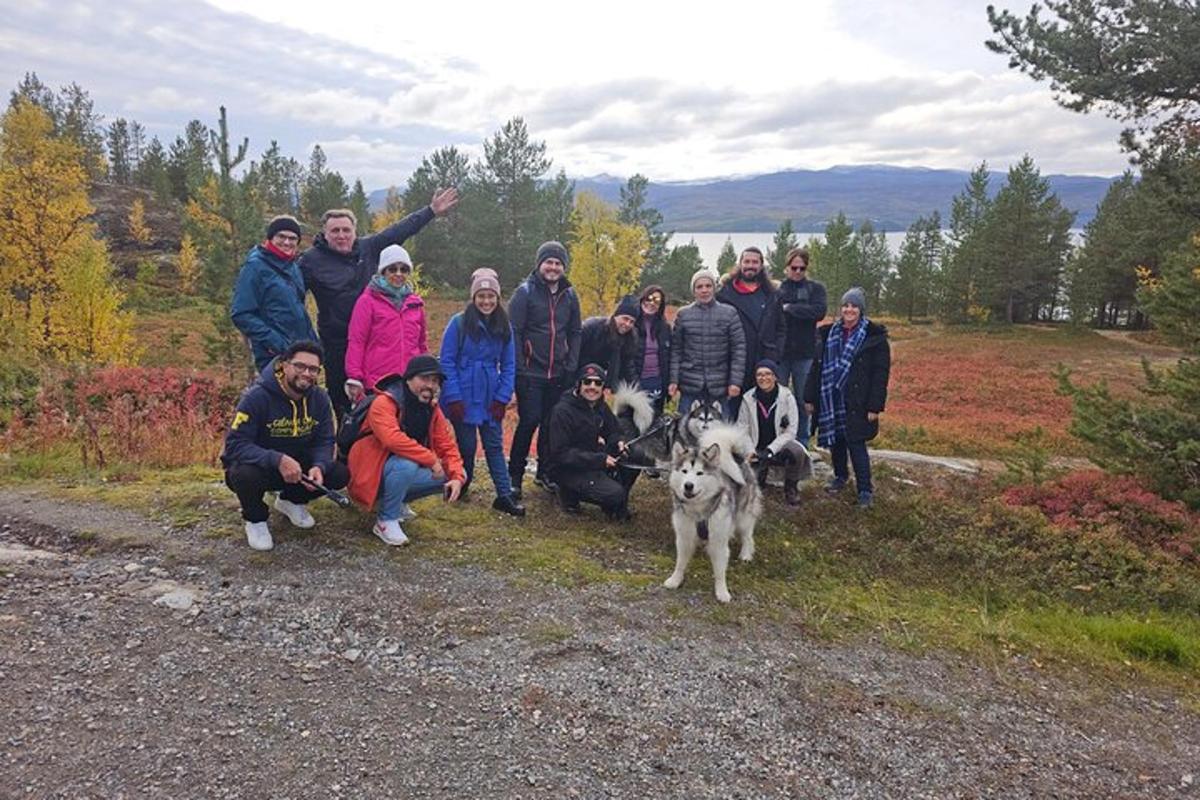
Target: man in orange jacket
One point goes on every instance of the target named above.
(408, 450)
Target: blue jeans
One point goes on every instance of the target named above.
(796, 371)
(404, 480)
(493, 450)
(728, 405)
(858, 457)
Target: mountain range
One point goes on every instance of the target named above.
(892, 198)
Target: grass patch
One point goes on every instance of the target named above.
(947, 567)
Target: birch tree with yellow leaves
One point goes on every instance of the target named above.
(606, 255)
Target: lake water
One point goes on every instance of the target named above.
(710, 244)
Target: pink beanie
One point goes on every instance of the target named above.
(485, 278)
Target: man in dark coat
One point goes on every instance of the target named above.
(281, 439)
(801, 304)
(583, 447)
(546, 324)
(611, 342)
(749, 290)
(338, 267)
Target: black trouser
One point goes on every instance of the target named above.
(535, 400)
(593, 486)
(335, 376)
(249, 481)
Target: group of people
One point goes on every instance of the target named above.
(414, 420)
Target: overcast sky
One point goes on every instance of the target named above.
(668, 89)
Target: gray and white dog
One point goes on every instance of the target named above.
(696, 420)
(715, 498)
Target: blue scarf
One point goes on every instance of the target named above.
(835, 371)
(394, 294)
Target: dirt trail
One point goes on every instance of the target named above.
(188, 666)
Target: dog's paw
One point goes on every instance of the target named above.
(746, 555)
(723, 595)
(673, 582)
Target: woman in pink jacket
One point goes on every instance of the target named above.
(387, 326)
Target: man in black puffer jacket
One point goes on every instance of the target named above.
(338, 267)
(751, 292)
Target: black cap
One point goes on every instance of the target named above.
(423, 365)
(591, 371)
(282, 223)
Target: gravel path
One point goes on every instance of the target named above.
(190, 667)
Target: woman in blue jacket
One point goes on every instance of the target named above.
(268, 299)
(479, 358)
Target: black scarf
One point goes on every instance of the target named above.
(417, 418)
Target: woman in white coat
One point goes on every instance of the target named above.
(768, 418)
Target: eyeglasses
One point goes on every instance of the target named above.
(592, 382)
(287, 237)
(653, 300)
(311, 369)
(392, 269)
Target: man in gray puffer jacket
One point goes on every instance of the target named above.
(708, 348)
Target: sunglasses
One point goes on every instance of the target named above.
(799, 268)
(311, 369)
(652, 301)
(592, 382)
(392, 269)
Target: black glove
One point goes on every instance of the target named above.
(763, 456)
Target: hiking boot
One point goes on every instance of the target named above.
(622, 514)
(508, 505)
(791, 494)
(406, 513)
(516, 488)
(567, 504)
(546, 483)
(835, 486)
(389, 531)
(865, 499)
(296, 513)
(258, 536)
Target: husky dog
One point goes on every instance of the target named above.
(715, 497)
(696, 420)
(635, 416)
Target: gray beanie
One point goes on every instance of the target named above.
(703, 272)
(552, 249)
(855, 296)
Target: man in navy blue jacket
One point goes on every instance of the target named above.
(281, 438)
(338, 267)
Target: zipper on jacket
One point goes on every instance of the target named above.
(553, 305)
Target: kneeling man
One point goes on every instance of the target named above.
(583, 446)
(281, 439)
(406, 448)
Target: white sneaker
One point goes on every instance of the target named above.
(389, 530)
(297, 514)
(406, 513)
(258, 535)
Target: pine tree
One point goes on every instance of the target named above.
(675, 277)
(635, 210)
(189, 162)
(785, 241)
(120, 152)
(727, 258)
(361, 207)
(274, 182)
(833, 261)
(151, 172)
(872, 261)
(911, 290)
(962, 262)
(441, 248)
(322, 189)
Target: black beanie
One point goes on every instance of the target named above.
(591, 371)
(629, 306)
(282, 223)
(423, 365)
(552, 249)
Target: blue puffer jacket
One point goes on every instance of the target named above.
(268, 304)
(478, 371)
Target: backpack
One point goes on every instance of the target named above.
(350, 430)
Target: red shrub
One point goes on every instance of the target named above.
(1092, 501)
(138, 415)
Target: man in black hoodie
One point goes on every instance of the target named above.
(338, 267)
(547, 327)
(281, 437)
(583, 445)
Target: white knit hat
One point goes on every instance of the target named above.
(393, 254)
(704, 272)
